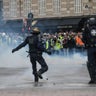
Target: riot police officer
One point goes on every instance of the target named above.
(89, 38)
(35, 51)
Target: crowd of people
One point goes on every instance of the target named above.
(10, 38)
(59, 42)
(63, 40)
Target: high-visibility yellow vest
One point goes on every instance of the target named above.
(47, 44)
(57, 46)
(61, 39)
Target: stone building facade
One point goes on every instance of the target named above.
(18, 9)
(51, 14)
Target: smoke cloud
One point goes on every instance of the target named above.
(19, 58)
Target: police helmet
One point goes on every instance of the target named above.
(35, 30)
(91, 21)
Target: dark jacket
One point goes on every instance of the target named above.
(88, 39)
(34, 42)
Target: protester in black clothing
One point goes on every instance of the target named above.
(35, 51)
(89, 38)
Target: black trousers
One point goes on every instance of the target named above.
(91, 65)
(34, 58)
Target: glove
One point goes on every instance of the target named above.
(48, 52)
(13, 50)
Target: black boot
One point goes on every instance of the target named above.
(36, 79)
(92, 82)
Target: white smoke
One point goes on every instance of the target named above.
(19, 58)
(76, 58)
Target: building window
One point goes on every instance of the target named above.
(56, 6)
(13, 8)
(26, 7)
(78, 6)
(42, 7)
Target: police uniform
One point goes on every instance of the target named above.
(35, 50)
(89, 38)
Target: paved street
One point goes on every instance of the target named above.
(67, 76)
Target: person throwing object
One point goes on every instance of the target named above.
(36, 49)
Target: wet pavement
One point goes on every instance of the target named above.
(67, 76)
